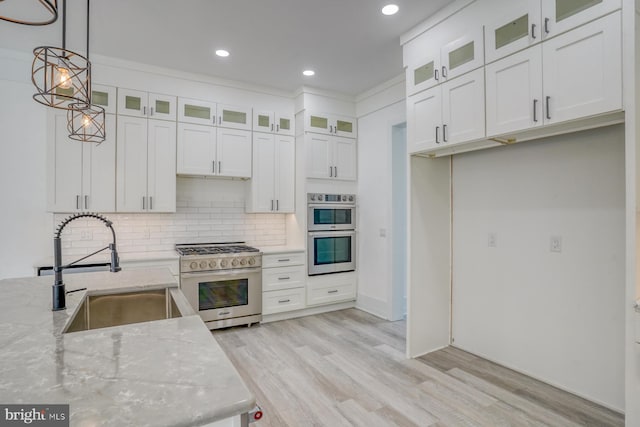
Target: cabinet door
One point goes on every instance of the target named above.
(515, 28)
(424, 73)
(131, 157)
(161, 184)
(99, 171)
(285, 174)
(105, 97)
(132, 102)
(234, 117)
(234, 153)
(344, 154)
(514, 92)
(344, 126)
(318, 123)
(285, 124)
(196, 152)
(582, 71)
(262, 180)
(263, 121)
(462, 55)
(559, 16)
(424, 120)
(64, 166)
(463, 108)
(162, 107)
(319, 156)
(196, 112)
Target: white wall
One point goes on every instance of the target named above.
(555, 316)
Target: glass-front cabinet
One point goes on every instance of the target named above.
(559, 16)
(196, 111)
(105, 97)
(517, 27)
(137, 103)
(463, 54)
(331, 124)
(234, 117)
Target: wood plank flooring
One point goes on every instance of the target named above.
(347, 368)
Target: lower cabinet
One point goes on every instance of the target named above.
(331, 288)
(283, 282)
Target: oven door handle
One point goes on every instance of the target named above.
(331, 206)
(337, 233)
(233, 272)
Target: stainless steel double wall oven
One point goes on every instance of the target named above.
(331, 226)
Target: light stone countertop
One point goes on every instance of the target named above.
(105, 257)
(159, 373)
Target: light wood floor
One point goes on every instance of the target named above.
(347, 368)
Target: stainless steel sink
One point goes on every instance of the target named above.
(115, 309)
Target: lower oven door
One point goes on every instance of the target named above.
(219, 295)
(331, 252)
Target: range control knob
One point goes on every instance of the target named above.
(212, 264)
(344, 198)
(203, 264)
(320, 197)
(223, 263)
(313, 197)
(235, 262)
(243, 261)
(351, 198)
(193, 265)
(252, 261)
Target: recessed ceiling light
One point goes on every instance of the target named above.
(390, 9)
(308, 73)
(222, 52)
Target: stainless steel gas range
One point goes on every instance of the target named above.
(223, 282)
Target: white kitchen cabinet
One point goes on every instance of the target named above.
(425, 73)
(462, 55)
(516, 27)
(331, 124)
(81, 176)
(234, 117)
(272, 187)
(197, 112)
(208, 151)
(283, 282)
(582, 71)
(330, 157)
(559, 16)
(331, 288)
(105, 97)
(270, 122)
(137, 103)
(146, 173)
(424, 119)
(514, 92)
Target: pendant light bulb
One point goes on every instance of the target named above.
(63, 77)
(86, 121)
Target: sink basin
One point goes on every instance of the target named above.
(115, 309)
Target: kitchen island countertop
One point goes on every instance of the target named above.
(164, 372)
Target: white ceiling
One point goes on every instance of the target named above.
(349, 43)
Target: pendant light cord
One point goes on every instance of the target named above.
(64, 24)
(87, 30)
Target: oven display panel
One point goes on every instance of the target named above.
(221, 294)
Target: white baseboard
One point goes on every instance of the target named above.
(373, 306)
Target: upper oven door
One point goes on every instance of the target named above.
(328, 217)
(331, 252)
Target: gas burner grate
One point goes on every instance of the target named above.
(213, 249)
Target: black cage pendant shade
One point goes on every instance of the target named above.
(61, 76)
(85, 121)
(29, 12)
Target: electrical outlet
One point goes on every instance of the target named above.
(86, 235)
(555, 244)
(383, 232)
(492, 240)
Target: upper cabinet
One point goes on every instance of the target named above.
(136, 103)
(270, 122)
(331, 124)
(197, 112)
(234, 117)
(105, 97)
(559, 16)
(516, 27)
(462, 55)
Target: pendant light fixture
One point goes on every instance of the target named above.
(61, 76)
(47, 8)
(85, 121)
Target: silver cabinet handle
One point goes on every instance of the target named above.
(335, 291)
(213, 166)
(144, 205)
(144, 111)
(271, 204)
(150, 203)
(533, 31)
(535, 110)
(277, 205)
(284, 260)
(277, 128)
(335, 171)
(437, 129)
(86, 202)
(224, 313)
(330, 171)
(547, 107)
(435, 74)
(546, 25)
(151, 111)
(219, 166)
(280, 301)
(78, 201)
(284, 278)
(444, 133)
(444, 72)
(219, 120)
(271, 127)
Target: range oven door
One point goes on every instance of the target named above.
(219, 295)
(328, 217)
(331, 252)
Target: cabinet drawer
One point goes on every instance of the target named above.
(274, 279)
(280, 301)
(327, 292)
(282, 260)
